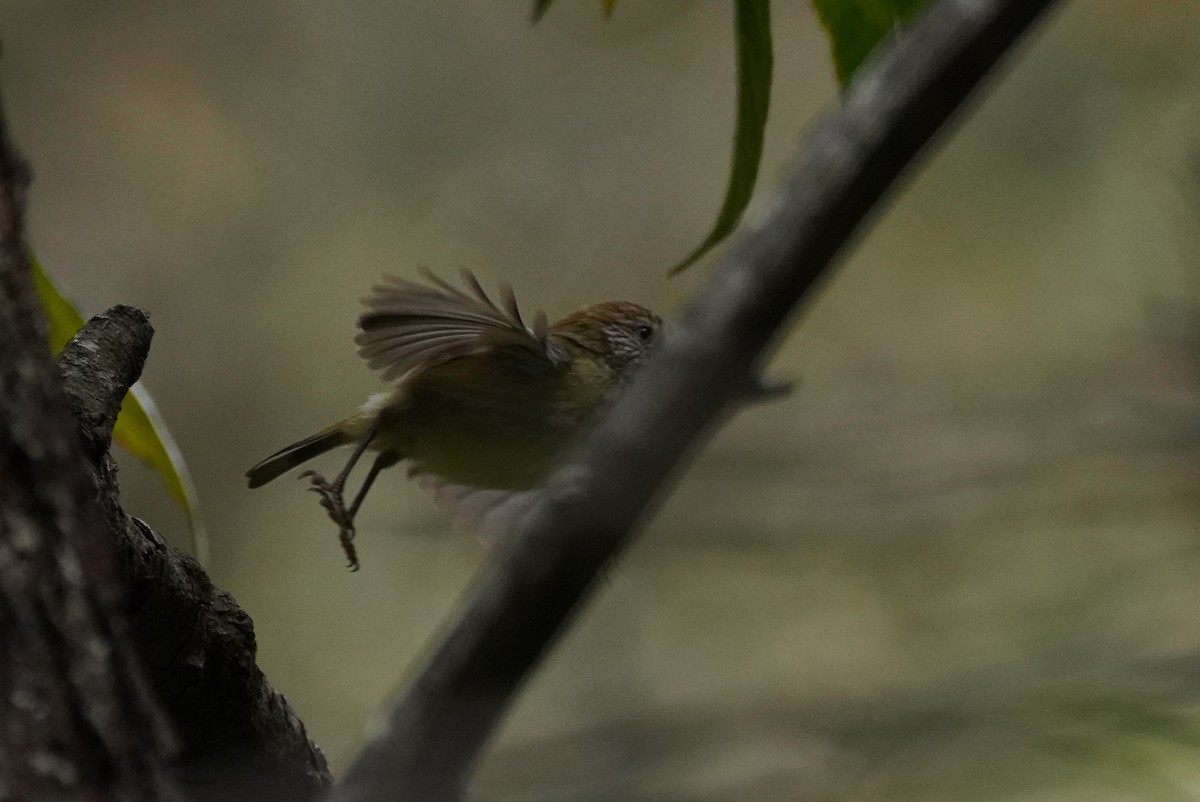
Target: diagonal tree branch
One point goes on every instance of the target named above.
(536, 580)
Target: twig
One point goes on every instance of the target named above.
(534, 582)
(240, 738)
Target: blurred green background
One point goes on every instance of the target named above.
(960, 561)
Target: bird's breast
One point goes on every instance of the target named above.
(481, 422)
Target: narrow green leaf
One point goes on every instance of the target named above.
(752, 20)
(540, 7)
(61, 314)
(141, 431)
(855, 27)
(139, 428)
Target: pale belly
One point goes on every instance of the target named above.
(487, 462)
(489, 422)
(494, 445)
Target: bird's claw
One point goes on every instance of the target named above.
(335, 505)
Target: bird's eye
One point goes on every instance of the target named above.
(646, 333)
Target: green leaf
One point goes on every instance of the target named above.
(61, 314)
(752, 20)
(143, 433)
(139, 428)
(855, 27)
(540, 7)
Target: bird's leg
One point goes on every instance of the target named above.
(331, 494)
(386, 459)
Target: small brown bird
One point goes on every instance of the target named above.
(480, 400)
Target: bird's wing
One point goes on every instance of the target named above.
(488, 513)
(409, 325)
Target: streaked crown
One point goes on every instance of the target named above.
(620, 333)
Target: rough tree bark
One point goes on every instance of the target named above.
(77, 720)
(239, 738)
(101, 621)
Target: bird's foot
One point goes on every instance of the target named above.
(335, 505)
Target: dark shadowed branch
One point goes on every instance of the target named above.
(239, 737)
(537, 578)
(103, 625)
(77, 720)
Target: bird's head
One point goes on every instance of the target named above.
(619, 334)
